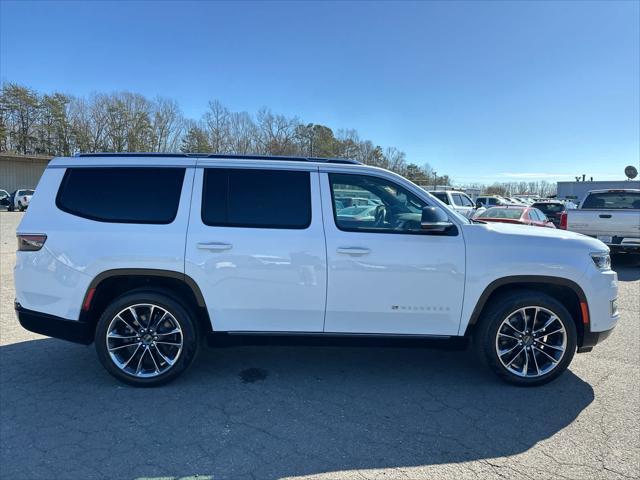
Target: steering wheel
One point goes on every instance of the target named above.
(379, 215)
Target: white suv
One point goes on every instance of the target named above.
(459, 201)
(217, 245)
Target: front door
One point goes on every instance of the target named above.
(385, 274)
(255, 246)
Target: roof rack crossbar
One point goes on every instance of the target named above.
(223, 156)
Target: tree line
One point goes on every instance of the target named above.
(58, 124)
(541, 188)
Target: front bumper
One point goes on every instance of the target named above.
(623, 244)
(591, 339)
(52, 326)
(624, 248)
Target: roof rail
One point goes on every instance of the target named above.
(223, 156)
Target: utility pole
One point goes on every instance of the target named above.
(435, 180)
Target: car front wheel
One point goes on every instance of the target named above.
(146, 339)
(527, 337)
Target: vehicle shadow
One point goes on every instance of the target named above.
(627, 267)
(267, 412)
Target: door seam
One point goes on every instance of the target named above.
(186, 234)
(326, 252)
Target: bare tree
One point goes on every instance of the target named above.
(276, 133)
(217, 121)
(167, 125)
(243, 133)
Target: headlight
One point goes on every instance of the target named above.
(602, 261)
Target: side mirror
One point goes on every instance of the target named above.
(478, 204)
(434, 220)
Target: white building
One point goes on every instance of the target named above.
(21, 171)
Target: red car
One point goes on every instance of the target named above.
(513, 214)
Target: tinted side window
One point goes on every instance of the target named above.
(393, 209)
(256, 198)
(442, 197)
(122, 195)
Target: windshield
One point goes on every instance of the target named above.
(25, 192)
(613, 200)
(508, 213)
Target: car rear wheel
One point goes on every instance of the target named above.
(526, 337)
(146, 338)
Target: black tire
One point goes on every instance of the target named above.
(486, 334)
(20, 207)
(183, 317)
(10, 208)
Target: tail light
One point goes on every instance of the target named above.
(563, 220)
(31, 243)
(24, 198)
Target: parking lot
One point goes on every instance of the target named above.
(275, 412)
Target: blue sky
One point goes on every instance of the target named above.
(480, 90)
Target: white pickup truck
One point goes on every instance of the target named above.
(612, 216)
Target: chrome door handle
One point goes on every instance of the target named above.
(353, 250)
(215, 246)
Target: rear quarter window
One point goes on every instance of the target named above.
(122, 195)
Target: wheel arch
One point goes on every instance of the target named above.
(112, 283)
(566, 291)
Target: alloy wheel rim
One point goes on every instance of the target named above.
(144, 340)
(531, 342)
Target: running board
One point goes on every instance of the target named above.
(230, 339)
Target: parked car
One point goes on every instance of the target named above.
(552, 209)
(209, 248)
(490, 201)
(612, 216)
(526, 200)
(359, 213)
(20, 199)
(356, 202)
(511, 214)
(459, 201)
(5, 199)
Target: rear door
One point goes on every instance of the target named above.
(255, 245)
